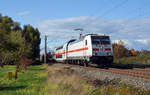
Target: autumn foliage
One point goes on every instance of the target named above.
(23, 63)
(120, 50)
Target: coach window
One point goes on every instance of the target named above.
(58, 56)
(86, 42)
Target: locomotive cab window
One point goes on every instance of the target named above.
(104, 40)
(96, 42)
(58, 56)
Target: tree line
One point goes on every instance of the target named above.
(120, 50)
(17, 42)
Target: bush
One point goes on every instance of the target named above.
(139, 59)
(23, 63)
(120, 50)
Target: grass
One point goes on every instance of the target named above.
(59, 80)
(29, 82)
(64, 81)
(121, 89)
(140, 59)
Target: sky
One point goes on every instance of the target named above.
(127, 20)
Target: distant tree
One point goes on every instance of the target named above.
(0, 17)
(17, 43)
(14, 48)
(134, 53)
(120, 50)
(19, 49)
(16, 26)
(19, 46)
(32, 36)
(3, 46)
(23, 63)
(7, 24)
(145, 52)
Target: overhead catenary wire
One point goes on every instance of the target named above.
(139, 10)
(113, 8)
(107, 11)
(110, 9)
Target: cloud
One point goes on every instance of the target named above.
(132, 31)
(143, 41)
(125, 42)
(23, 13)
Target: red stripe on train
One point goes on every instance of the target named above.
(95, 49)
(76, 50)
(108, 49)
(60, 53)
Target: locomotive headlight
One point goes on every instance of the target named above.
(94, 53)
(109, 53)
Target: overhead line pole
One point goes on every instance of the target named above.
(45, 53)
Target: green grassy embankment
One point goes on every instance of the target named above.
(140, 59)
(29, 82)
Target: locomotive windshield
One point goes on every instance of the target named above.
(104, 40)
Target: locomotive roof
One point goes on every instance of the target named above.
(77, 40)
(95, 35)
(60, 47)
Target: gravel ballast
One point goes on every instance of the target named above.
(101, 75)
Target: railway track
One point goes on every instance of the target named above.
(135, 72)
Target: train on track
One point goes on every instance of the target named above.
(87, 50)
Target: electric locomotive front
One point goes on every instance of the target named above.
(102, 53)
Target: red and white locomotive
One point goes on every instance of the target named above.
(89, 49)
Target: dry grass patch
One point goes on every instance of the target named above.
(64, 81)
